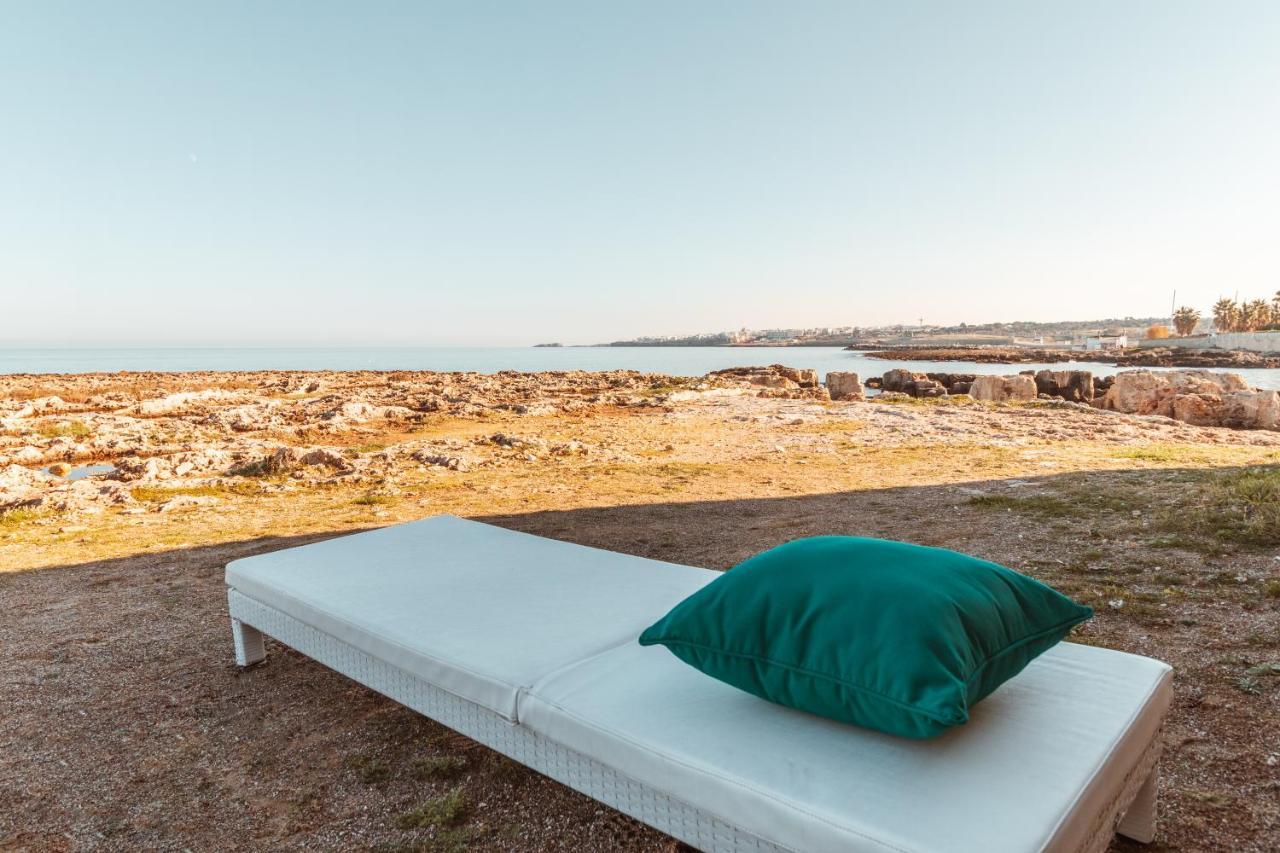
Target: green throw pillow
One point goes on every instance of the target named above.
(887, 635)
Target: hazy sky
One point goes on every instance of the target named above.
(494, 173)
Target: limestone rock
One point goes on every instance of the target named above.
(325, 456)
(1073, 385)
(925, 388)
(248, 418)
(1251, 410)
(842, 385)
(186, 502)
(21, 486)
(1001, 388)
(1145, 392)
(955, 383)
(184, 401)
(898, 379)
(1197, 397)
(1197, 409)
(440, 460)
(783, 381)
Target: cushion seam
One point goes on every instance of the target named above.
(868, 690)
(705, 772)
(1030, 638)
(803, 671)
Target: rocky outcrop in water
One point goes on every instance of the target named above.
(842, 385)
(1073, 385)
(1178, 357)
(778, 380)
(1133, 357)
(999, 389)
(1197, 397)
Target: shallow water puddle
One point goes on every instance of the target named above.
(82, 472)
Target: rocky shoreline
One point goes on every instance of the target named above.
(1198, 397)
(84, 444)
(1132, 357)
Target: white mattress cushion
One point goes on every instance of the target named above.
(477, 610)
(1049, 745)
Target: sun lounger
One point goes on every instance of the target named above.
(528, 645)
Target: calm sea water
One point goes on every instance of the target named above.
(676, 361)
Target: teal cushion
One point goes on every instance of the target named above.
(887, 635)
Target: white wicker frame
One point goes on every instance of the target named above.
(1132, 812)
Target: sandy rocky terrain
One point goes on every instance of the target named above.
(125, 726)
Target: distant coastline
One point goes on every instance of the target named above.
(1222, 359)
(843, 344)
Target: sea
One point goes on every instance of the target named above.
(675, 361)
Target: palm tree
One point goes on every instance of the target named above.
(1226, 315)
(1185, 320)
(1255, 314)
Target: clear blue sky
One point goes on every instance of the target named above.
(508, 173)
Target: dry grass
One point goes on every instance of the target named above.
(160, 494)
(19, 516)
(63, 429)
(1234, 507)
(447, 810)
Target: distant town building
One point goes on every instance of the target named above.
(1105, 342)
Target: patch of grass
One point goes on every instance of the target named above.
(1221, 578)
(18, 516)
(950, 400)
(1271, 588)
(160, 494)
(1144, 611)
(372, 771)
(439, 767)
(64, 429)
(1268, 641)
(1238, 507)
(1207, 547)
(660, 389)
(373, 500)
(1041, 506)
(1249, 685)
(508, 772)
(1166, 453)
(836, 425)
(456, 840)
(447, 810)
(369, 447)
(1214, 799)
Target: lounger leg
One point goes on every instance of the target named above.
(248, 643)
(1139, 822)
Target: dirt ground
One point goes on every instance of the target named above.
(126, 726)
